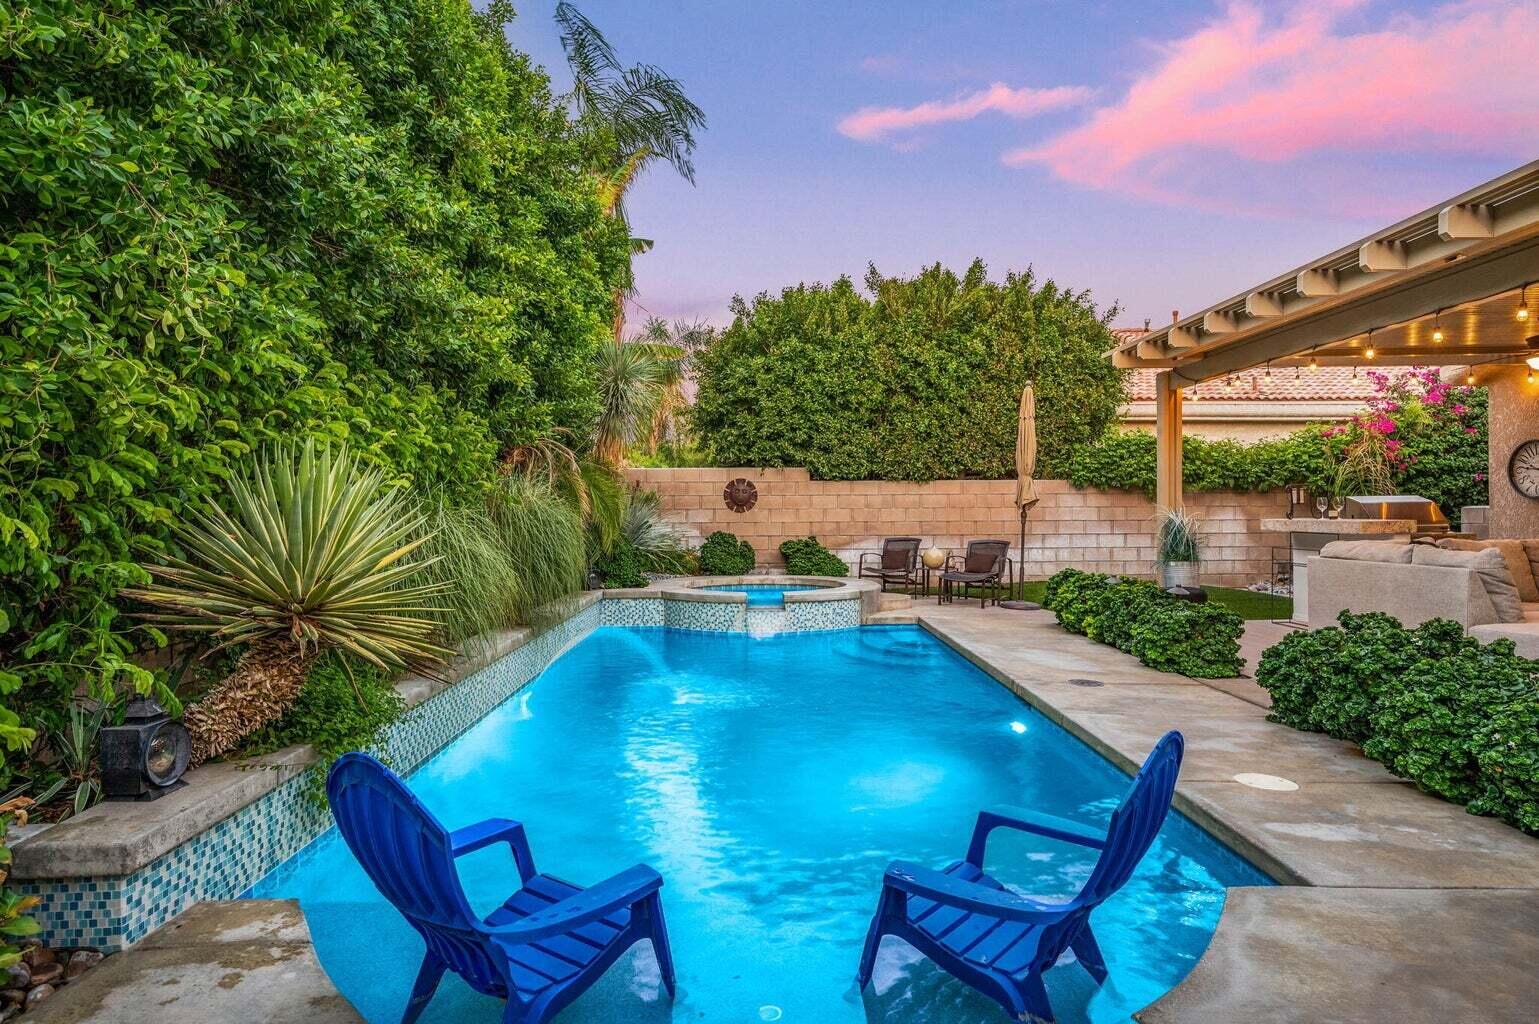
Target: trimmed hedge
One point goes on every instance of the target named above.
(909, 379)
(1163, 632)
(806, 557)
(1432, 704)
(723, 554)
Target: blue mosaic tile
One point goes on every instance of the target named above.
(809, 615)
(225, 861)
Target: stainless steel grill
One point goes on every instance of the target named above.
(1424, 511)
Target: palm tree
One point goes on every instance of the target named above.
(639, 114)
(635, 379)
(314, 557)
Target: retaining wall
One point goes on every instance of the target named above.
(1102, 531)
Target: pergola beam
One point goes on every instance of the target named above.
(1263, 304)
(1412, 297)
(1318, 283)
(1464, 221)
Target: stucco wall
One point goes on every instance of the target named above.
(1105, 531)
(1514, 419)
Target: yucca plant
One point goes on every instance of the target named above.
(313, 555)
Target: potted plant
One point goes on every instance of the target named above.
(1178, 548)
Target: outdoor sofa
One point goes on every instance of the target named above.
(1489, 587)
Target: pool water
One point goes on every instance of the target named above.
(770, 781)
(765, 595)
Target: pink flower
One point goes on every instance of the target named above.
(1480, 477)
(1458, 410)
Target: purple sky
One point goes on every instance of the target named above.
(1161, 154)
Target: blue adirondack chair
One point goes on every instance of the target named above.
(1001, 943)
(539, 950)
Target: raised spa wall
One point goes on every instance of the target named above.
(110, 876)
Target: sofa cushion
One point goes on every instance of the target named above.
(1368, 551)
(1514, 553)
(1489, 565)
(1524, 635)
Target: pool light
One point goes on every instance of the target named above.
(1271, 783)
(1017, 727)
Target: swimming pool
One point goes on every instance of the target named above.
(764, 595)
(770, 781)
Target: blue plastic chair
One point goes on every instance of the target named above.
(998, 942)
(540, 950)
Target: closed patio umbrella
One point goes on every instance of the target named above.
(1025, 484)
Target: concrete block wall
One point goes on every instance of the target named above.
(1102, 531)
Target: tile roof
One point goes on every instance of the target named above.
(1327, 384)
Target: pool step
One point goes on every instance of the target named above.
(894, 602)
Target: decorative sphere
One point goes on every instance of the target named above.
(934, 558)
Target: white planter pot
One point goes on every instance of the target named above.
(1178, 574)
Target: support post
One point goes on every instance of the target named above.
(1167, 427)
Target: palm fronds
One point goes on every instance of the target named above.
(634, 377)
(641, 108)
(660, 544)
(315, 553)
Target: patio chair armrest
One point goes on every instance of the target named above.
(619, 892)
(491, 832)
(1023, 820)
(916, 880)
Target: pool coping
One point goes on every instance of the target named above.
(116, 838)
(1393, 904)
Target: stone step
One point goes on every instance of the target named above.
(894, 602)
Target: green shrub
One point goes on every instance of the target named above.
(1118, 609)
(658, 543)
(1073, 595)
(723, 554)
(809, 558)
(1197, 640)
(918, 379)
(1507, 757)
(1163, 632)
(622, 567)
(1432, 704)
(225, 224)
(14, 922)
(345, 705)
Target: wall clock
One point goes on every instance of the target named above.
(1523, 469)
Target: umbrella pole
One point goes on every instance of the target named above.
(1018, 600)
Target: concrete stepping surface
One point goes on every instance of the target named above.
(1403, 908)
(236, 961)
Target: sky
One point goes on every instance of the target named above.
(1161, 154)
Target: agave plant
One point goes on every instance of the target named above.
(313, 556)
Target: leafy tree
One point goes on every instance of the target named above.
(363, 220)
(918, 379)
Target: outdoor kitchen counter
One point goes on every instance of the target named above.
(1307, 535)
(1342, 527)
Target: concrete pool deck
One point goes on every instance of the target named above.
(1415, 911)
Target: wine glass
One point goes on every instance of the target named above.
(1336, 506)
(1320, 504)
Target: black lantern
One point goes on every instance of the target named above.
(145, 757)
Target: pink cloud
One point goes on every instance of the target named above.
(871, 124)
(1251, 100)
